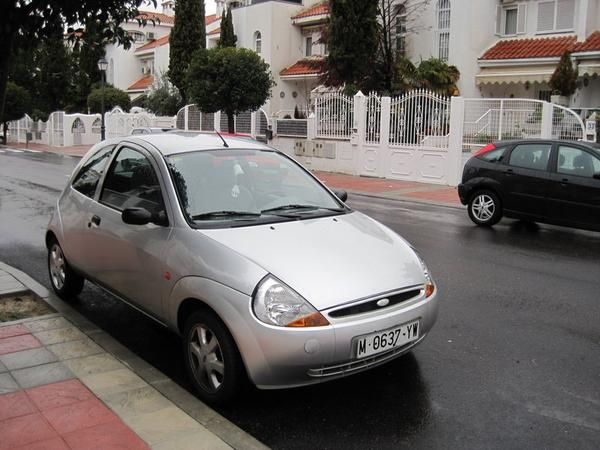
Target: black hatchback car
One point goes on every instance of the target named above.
(556, 182)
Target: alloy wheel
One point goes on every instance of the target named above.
(206, 358)
(483, 207)
(57, 266)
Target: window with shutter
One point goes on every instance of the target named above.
(545, 19)
(565, 14)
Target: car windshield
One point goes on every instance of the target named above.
(242, 187)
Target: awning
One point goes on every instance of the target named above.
(518, 74)
(589, 68)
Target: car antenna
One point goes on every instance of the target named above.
(224, 142)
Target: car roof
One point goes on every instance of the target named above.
(173, 142)
(590, 145)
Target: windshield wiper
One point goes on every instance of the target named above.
(301, 207)
(225, 214)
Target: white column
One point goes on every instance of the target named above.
(547, 112)
(185, 118)
(311, 127)
(384, 137)
(455, 141)
(359, 124)
(253, 123)
(217, 124)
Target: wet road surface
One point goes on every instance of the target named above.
(513, 362)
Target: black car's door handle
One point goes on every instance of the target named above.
(95, 221)
(508, 171)
(564, 182)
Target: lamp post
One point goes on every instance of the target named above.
(102, 65)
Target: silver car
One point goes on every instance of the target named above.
(261, 269)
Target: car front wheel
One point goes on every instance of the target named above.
(65, 282)
(485, 208)
(212, 359)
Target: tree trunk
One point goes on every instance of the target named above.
(230, 122)
(7, 37)
(4, 130)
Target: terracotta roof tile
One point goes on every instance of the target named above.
(304, 67)
(530, 48)
(142, 83)
(210, 19)
(215, 31)
(155, 43)
(316, 10)
(160, 18)
(591, 44)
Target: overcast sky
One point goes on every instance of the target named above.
(209, 5)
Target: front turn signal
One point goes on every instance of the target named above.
(429, 288)
(315, 319)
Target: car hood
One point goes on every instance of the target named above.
(328, 260)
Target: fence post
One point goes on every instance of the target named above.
(384, 125)
(359, 125)
(311, 127)
(547, 113)
(185, 118)
(253, 124)
(217, 120)
(500, 120)
(455, 140)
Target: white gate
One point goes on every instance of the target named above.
(78, 129)
(334, 115)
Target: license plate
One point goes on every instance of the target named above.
(381, 341)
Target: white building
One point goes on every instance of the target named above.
(503, 48)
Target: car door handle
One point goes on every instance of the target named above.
(564, 182)
(95, 221)
(508, 172)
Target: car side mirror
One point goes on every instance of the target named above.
(141, 216)
(341, 194)
(136, 216)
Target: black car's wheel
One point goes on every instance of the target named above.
(212, 359)
(65, 282)
(485, 208)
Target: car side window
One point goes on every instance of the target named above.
(131, 182)
(494, 155)
(574, 161)
(530, 156)
(88, 177)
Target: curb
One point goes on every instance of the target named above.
(225, 430)
(406, 200)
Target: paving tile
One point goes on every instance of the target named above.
(44, 374)
(137, 401)
(59, 394)
(184, 400)
(75, 349)
(107, 383)
(76, 416)
(47, 444)
(162, 425)
(197, 440)
(7, 383)
(23, 430)
(18, 343)
(47, 324)
(13, 330)
(14, 405)
(89, 365)
(27, 358)
(108, 436)
(59, 335)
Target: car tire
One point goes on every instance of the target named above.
(64, 280)
(485, 208)
(212, 359)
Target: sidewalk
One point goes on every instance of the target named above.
(65, 384)
(374, 187)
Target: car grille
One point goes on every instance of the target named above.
(361, 364)
(372, 305)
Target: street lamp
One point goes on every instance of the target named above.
(102, 65)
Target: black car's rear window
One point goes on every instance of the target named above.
(493, 155)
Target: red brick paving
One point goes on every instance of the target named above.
(62, 416)
(18, 343)
(448, 195)
(13, 330)
(365, 184)
(75, 150)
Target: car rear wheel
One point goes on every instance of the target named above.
(485, 208)
(212, 359)
(65, 282)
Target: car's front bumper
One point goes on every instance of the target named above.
(278, 357)
(464, 193)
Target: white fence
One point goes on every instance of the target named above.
(254, 123)
(63, 129)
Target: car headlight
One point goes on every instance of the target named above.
(275, 303)
(429, 286)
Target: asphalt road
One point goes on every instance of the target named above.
(513, 362)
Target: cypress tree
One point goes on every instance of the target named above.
(352, 38)
(564, 78)
(187, 36)
(228, 37)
